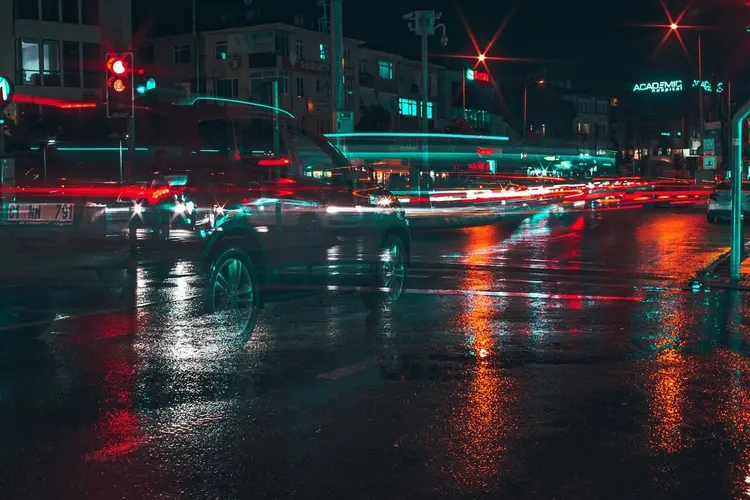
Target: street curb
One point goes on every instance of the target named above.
(707, 277)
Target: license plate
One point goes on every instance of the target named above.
(61, 213)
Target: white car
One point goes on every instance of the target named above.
(720, 201)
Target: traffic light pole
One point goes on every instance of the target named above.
(736, 247)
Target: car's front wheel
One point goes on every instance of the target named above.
(388, 283)
(233, 296)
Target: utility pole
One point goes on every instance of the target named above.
(337, 64)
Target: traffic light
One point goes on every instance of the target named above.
(120, 91)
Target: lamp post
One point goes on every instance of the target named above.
(525, 101)
(674, 27)
(422, 24)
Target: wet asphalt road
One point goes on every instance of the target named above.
(558, 356)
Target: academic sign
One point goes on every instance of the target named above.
(658, 87)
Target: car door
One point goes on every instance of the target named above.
(341, 242)
(267, 158)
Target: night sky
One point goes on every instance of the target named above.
(596, 44)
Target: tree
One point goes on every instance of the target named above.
(374, 119)
(459, 126)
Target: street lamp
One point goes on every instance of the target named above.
(540, 81)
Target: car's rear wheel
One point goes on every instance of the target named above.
(388, 283)
(711, 218)
(232, 297)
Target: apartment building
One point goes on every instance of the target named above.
(55, 48)
(243, 63)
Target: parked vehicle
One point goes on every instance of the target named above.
(720, 202)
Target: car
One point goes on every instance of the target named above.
(719, 204)
(262, 204)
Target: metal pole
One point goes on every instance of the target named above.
(337, 63)
(700, 89)
(197, 50)
(736, 247)
(425, 91)
(276, 128)
(2, 135)
(463, 88)
(525, 96)
(45, 161)
(121, 160)
(425, 122)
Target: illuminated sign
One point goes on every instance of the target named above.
(479, 166)
(657, 87)
(6, 92)
(485, 151)
(478, 76)
(708, 87)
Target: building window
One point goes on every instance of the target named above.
(282, 43)
(181, 54)
(601, 130)
(583, 128)
(26, 9)
(317, 86)
(362, 67)
(323, 52)
(385, 70)
(221, 50)
(70, 11)
(601, 107)
(90, 12)
(478, 118)
(51, 63)
(71, 64)
(298, 49)
(347, 56)
(407, 107)
(50, 10)
(93, 78)
(300, 87)
(229, 87)
(28, 62)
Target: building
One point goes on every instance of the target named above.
(55, 48)
(470, 94)
(591, 123)
(243, 63)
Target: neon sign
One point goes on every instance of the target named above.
(485, 151)
(707, 87)
(478, 76)
(657, 87)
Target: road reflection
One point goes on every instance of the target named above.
(479, 427)
(674, 246)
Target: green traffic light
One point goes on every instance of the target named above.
(141, 89)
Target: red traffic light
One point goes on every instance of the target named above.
(117, 84)
(116, 65)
